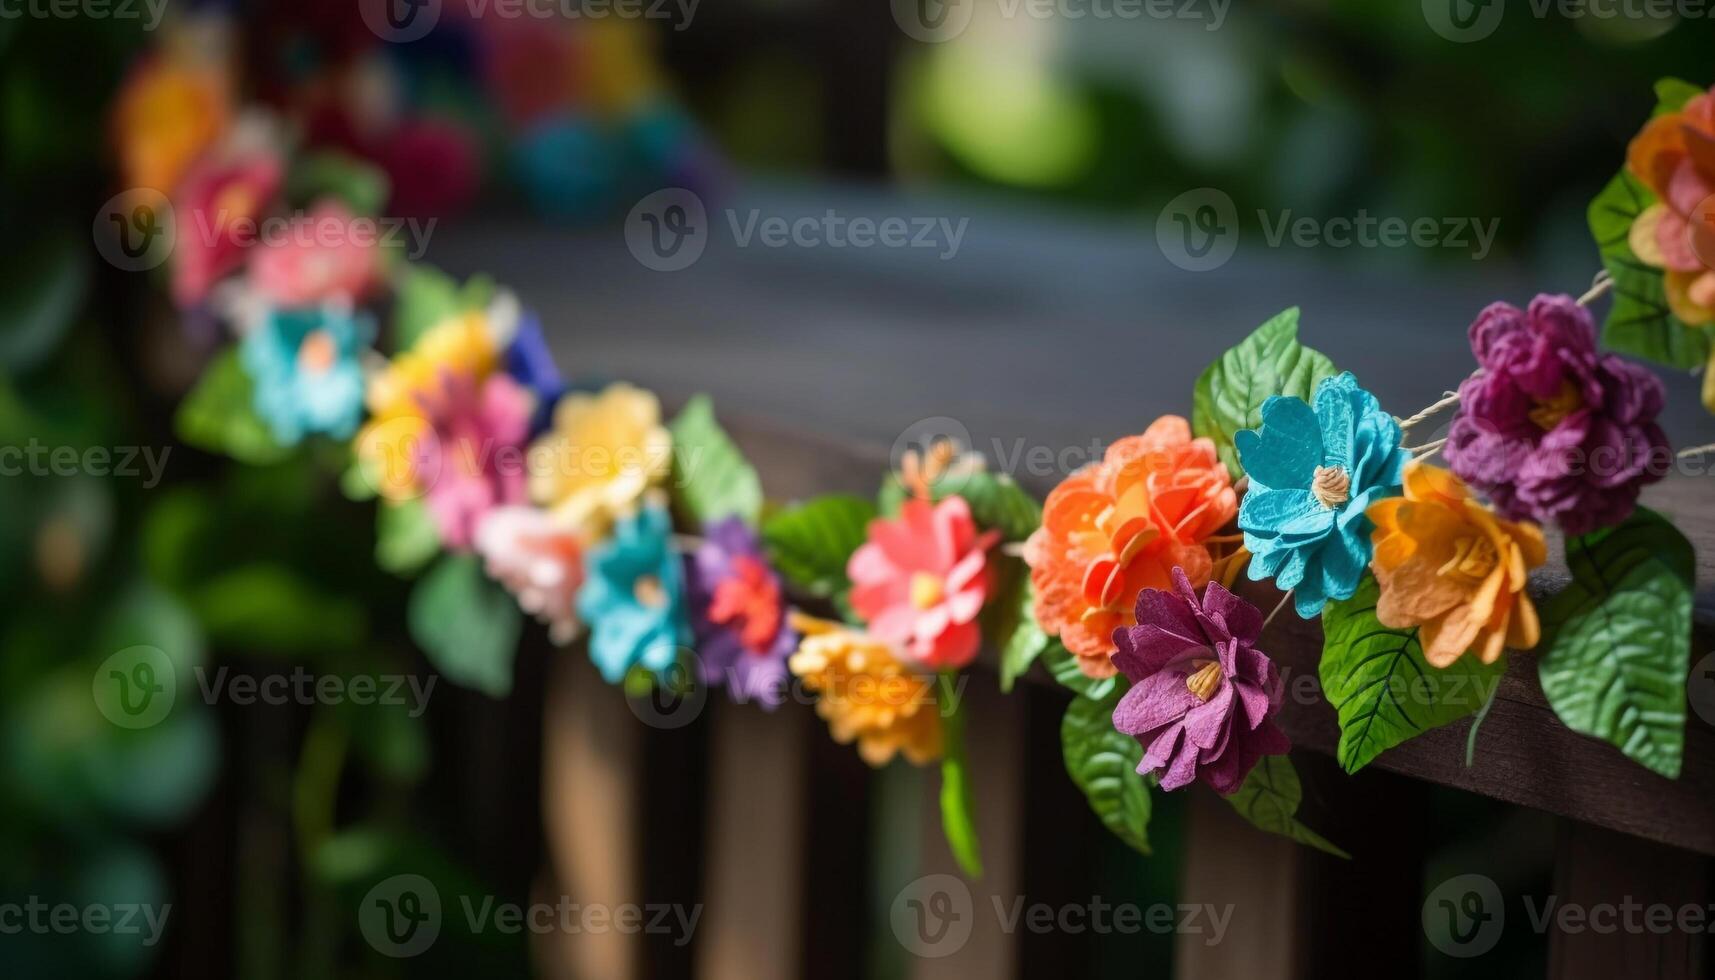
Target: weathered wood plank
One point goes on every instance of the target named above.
(1600, 880)
(1257, 877)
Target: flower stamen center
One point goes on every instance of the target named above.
(648, 591)
(317, 352)
(1549, 412)
(927, 590)
(1474, 557)
(1332, 486)
(1205, 681)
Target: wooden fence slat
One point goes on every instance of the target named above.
(757, 804)
(1600, 868)
(1230, 864)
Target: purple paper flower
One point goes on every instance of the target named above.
(1550, 429)
(739, 615)
(1203, 697)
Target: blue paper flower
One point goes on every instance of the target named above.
(634, 597)
(303, 366)
(531, 364)
(1313, 473)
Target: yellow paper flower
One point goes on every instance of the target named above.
(866, 694)
(600, 456)
(166, 116)
(462, 346)
(1449, 566)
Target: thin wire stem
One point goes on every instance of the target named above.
(1277, 608)
(1598, 288)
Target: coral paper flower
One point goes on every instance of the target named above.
(634, 597)
(324, 255)
(1448, 566)
(1313, 472)
(867, 694)
(920, 581)
(1203, 697)
(1551, 429)
(538, 561)
(304, 367)
(216, 210)
(1117, 527)
(1674, 155)
(473, 458)
(603, 452)
(739, 614)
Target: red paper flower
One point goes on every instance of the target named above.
(921, 580)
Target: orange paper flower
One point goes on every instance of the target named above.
(1120, 526)
(866, 693)
(1450, 567)
(1674, 155)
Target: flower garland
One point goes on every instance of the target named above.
(591, 512)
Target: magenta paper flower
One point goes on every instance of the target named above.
(920, 581)
(1552, 430)
(1203, 697)
(217, 209)
(472, 460)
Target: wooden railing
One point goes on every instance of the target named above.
(773, 828)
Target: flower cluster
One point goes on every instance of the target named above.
(1671, 156)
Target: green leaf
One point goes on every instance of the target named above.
(363, 187)
(1383, 688)
(268, 606)
(811, 543)
(1671, 94)
(425, 296)
(1617, 641)
(998, 503)
(711, 477)
(467, 625)
(42, 287)
(1020, 646)
(1102, 762)
(1269, 800)
(1064, 668)
(219, 415)
(1640, 322)
(406, 538)
(1230, 393)
(956, 805)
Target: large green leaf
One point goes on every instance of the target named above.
(956, 806)
(711, 477)
(1617, 641)
(1024, 641)
(406, 538)
(362, 186)
(1102, 762)
(1064, 668)
(425, 296)
(1230, 393)
(467, 624)
(1269, 799)
(1640, 322)
(270, 606)
(811, 542)
(219, 415)
(1671, 94)
(1383, 689)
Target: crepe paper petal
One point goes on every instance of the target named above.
(1309, 534)
(922, 578)
(738, 614)
(1551, 429)
(604, 452)
(634, 597)
(1198, 718)
(1119, 526)
(866, 693)
(305, 370)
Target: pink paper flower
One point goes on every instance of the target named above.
(323, 255)
(1203, 697)
(537, 560)
(921, 580)
(217, 209)
(472, 459)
